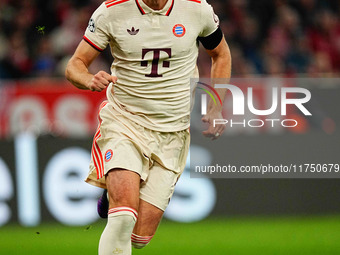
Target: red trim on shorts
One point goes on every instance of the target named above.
(99, 158)
(196, 1)
(114, 2)
(96, 154)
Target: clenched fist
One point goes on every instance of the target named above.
(100, 81)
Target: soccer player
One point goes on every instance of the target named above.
(141, 145)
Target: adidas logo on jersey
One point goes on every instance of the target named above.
(132, 31)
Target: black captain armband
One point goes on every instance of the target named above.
(212, 41)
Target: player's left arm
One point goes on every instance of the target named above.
(220, 69)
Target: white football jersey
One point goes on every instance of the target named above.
(155, 54)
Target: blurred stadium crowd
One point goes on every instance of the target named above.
(270, 37)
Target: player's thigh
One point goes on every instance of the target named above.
(149, 217)
(123, 188)
(155, 194)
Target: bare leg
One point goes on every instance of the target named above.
(148, 220)
(149, 217)
(123, 190)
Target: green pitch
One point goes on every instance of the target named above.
(289, 236)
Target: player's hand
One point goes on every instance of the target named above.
(213, 132)
(100, 81)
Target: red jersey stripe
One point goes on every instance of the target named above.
(196, 1)
(140, 8)
(115, 3)
(92, 44)
(170, 9)
(110, 1)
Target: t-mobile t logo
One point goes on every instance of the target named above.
(155, 60)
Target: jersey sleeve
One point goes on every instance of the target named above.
(96, 33)
(210, 21)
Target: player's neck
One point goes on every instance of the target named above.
(155, 4)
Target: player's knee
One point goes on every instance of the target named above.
(139, 242)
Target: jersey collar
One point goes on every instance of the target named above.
(144, 9)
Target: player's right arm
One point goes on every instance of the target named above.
(77, 70)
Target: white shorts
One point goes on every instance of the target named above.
(158, 157)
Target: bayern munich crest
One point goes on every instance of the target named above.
(178, 30)
(108, 155)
